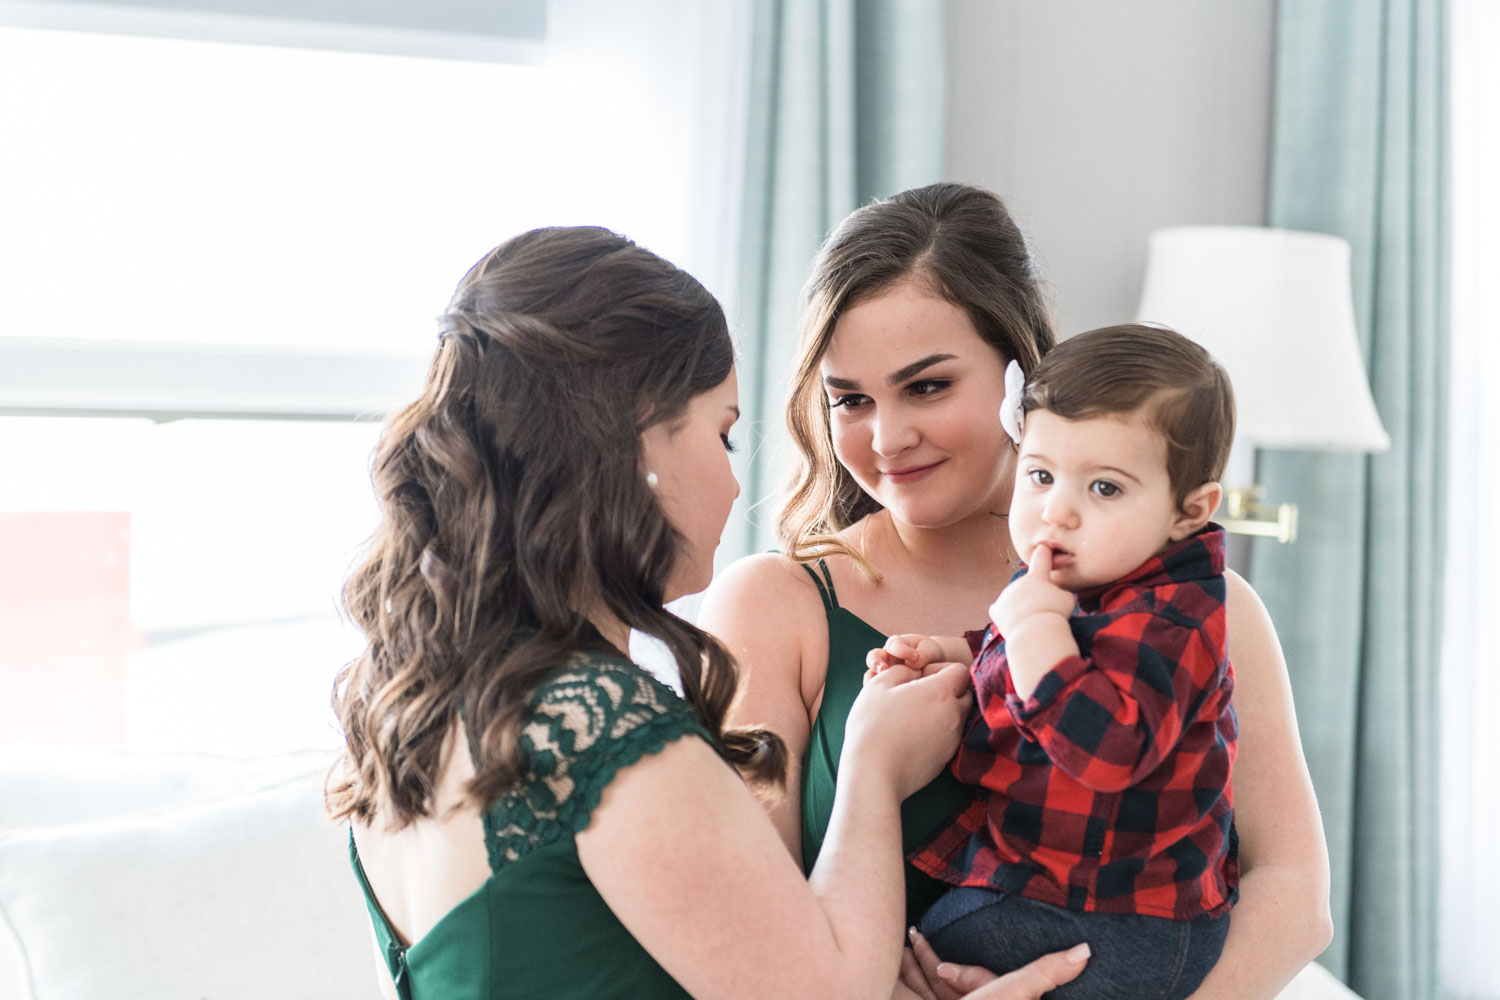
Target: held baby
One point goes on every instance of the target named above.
(1102, 735)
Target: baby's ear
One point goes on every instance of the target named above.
(1197, 507)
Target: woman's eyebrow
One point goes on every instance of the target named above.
(902, 374)
(894, 378)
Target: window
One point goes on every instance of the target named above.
(1470, 685)
(208, 243)
(173, 585)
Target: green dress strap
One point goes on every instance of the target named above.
(849, 639)
(824, 585)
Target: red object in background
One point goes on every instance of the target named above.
(65, 631)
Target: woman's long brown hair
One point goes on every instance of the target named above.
(513, 503)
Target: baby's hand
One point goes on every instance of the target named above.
(914, 651)
(1031, 595)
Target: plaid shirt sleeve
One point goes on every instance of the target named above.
(1110, 717)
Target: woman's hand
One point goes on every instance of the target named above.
(930, 978)
(907, 725)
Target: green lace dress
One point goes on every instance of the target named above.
(849, 639)
(537, 927)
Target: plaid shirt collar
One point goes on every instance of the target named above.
(1200, 555)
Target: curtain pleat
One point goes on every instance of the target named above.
(1359, 151)
(846, 105)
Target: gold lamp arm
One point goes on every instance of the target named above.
(1248, 514)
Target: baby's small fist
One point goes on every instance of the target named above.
(915, 651)
(877, 660)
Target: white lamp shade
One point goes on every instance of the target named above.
(1274, 307)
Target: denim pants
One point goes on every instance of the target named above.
(1134, 957)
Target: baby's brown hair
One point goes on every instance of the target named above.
(1184, 392)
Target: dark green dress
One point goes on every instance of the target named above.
(537, 927)
(849, 639)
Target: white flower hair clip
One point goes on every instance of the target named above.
(1011, 417)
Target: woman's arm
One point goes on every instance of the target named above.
(768, 614)
(683, 855)
(1282, 920)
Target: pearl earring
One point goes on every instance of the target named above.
(651, 480)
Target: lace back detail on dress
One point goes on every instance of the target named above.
(587, 722)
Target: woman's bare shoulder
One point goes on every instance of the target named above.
(1263, 685)
(765, 608)
(1239, 595)
(760, 583)
(1252, 635)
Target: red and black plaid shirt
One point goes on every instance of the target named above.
(1108, 789)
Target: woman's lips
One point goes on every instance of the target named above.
(909, 475)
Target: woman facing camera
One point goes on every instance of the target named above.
(531, 813)
(896, 522)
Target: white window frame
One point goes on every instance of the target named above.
(172, 380)
(260, 26)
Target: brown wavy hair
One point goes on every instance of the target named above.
(513, 503)
(962, 243)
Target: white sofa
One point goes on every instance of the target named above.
(174, 877)
(188, 876)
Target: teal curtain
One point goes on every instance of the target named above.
(1359, 150)
(846, 105)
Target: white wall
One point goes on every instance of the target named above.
(1100, 121)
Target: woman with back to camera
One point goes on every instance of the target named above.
(895, 523)
(531, 813)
